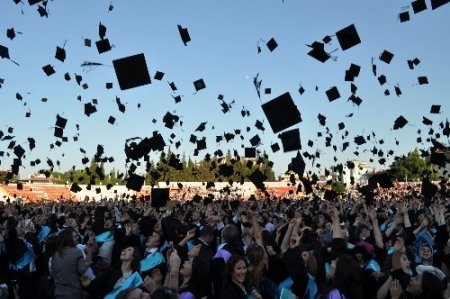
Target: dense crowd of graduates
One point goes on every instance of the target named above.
(395, 245)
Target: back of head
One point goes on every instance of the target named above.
(64, 239)
(347, 277)
(431, 287)
(231, 235)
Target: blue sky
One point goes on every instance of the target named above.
(223, 52)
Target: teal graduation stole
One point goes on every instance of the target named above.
(312, 287)
(104, 237)
(45, 231)
(190, 245)
(132, 281)
(152, 261)
(373, 265)
(24, 260)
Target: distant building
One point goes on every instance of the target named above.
(361, 172)
(38, 179)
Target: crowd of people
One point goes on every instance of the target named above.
(395, 245)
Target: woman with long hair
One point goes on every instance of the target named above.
(346, 277)
(67, 265)
(195, 276)
(124, 276)
(236, 282)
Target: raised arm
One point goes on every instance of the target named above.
(376, 228)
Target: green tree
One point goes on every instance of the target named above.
(338, 186)
(412, 168)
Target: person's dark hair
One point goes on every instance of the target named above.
(255, 254)
(165, 293)
(136, 261)
(431, 287)
(200, 273)
(206, 231)
(231, 235)
(229, 268)
(347, 277)
(64, 239)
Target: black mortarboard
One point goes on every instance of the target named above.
(272, 44)
(326, 39)
(10, 33)
(255, 140)
(333, 94)
(297, 165)
(382, 79)
(111, 120)
(438, 158)
(422, 80)
(301, 90)
(75, 188)
(398, 91)
(419, 6)
(60, 121)
(258, 178)
(318, 52)
(281, 112)
(404, 16)
(250, 152)
(386, 56)
(352, 72)
(48, 70)
(381, 178)
(322, 119)
(131, 71)
(201, 144)
(428, 189)
(109, 85)
(341, 126)
(158, 75)
(184, 35)
(4, 52)
(19, 151)
(89, 109)
(355, 99)
(435, 109)
(173, 86)
(103, 46)
(87, 42)
(437, 3)
(259, 125)
(268, 90)
(160, 197)
(199, 84)
(58, 132)
(60, 54)
(426, 121)
(275, 147)
(201, 127)
(290, 140)
(42, 11)
(400, 122)
(359, 140)
(135, 182)
(348, 37)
